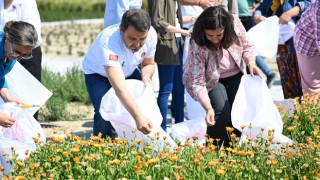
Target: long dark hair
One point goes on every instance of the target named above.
(214, 18)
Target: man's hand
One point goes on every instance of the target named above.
(147, 80)
(258, 18)
(144, 125)
(6, 121)
(210, 117)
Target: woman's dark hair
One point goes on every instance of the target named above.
(21, 33)
(138, 18)
(214, 18)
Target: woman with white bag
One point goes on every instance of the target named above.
(16, 43)
(219, 53)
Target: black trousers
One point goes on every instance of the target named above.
(33, 65)
(222, 97)
(247, 22)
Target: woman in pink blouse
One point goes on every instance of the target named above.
(219, 53)
(307, 44)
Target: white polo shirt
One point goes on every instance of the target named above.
(116, 8)
(108, 49)
(21, 10)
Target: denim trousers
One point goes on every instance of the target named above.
(221, 98)
(170, 81)
(263, 66)
(97, 87)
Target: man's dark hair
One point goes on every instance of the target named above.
(138, 18)
(214, 18)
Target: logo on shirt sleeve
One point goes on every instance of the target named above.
(113, 57)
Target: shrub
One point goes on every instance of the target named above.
(66, 88)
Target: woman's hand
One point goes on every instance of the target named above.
(210, 117)
(285, 18)
(15, 100)
(253, 69)
(6, 121)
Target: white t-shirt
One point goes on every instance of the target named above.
(116, 8)
(21, 10)
(187, 10)
(108, 49)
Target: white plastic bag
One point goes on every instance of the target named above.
(111, 109)
(264, 37)
(253, 107)
(20, 135)
(190, 129)
(286, 32)
(194, 108)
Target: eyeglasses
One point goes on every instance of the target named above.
(18, 55)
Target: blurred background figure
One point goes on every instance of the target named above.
(116, 8)
(26, 11)
(245, 14)
(307, 44)
(167, 21)
(286, 10)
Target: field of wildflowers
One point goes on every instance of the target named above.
(75, 158)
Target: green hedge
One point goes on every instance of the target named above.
(58, 10)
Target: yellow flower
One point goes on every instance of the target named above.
(233, 135)
(65, 153)
(107, 152)
(138, 141)
(296, 117)
(95, 138)
(75, 150)
(274, 162)
(279, 171)
(242, 153)
(243, 126)
(116, 161)
(35, 140)
(290, 129)
(98, 146)
(229, 129)
(19, 163)
(1, 168)
(19, 178)
(250, 153)
(117, 140)
(174, 158)
(152, 161)
(76, 159)
(221, 172)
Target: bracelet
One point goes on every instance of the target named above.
(251, 63)
(199, 2)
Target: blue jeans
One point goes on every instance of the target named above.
(263, 66)
(170, 80)
(97, 87)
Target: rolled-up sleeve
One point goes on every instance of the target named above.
(194, 73)
(303, 4)
(157, 14)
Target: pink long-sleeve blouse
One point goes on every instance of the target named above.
(201, 68)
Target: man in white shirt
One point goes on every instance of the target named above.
(116, 8)
(113, 57)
